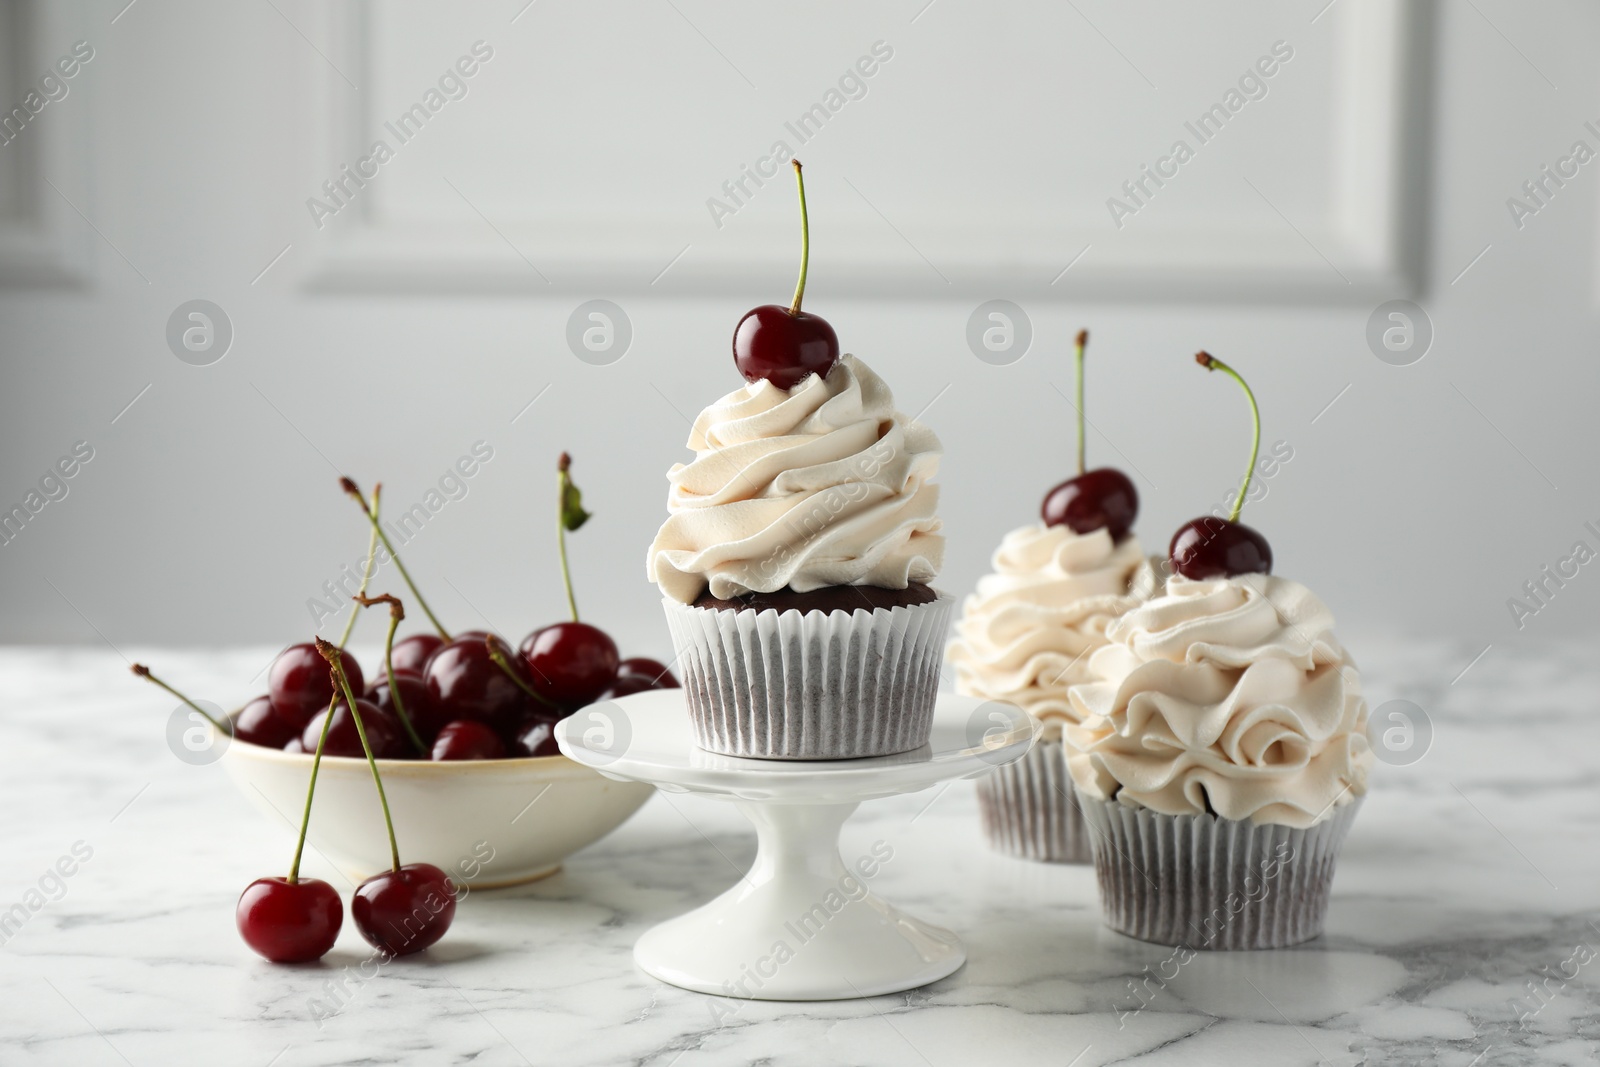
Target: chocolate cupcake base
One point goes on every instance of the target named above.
(1208, 883)
(1030, 808)
(828, 599)
(810, 684)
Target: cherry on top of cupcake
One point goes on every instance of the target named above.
(1100, 499)
(1209, 547)
(785, 345)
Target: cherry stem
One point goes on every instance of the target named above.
(335, 659)
(397, 613)
(563, 480)
(1210, 362)
(311, 790)
(372, 517)
(144, 672)
(498, 658)
(366, 571)
(805, 239)
(1083, 340)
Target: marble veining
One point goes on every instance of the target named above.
(1464, 931)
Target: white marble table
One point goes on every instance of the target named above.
(1468, 883)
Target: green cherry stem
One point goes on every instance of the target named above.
(1082, 342)
(1210, 362)
(805, 239)
(563, 482)
(498, 658)
(350, 487)
(144, 672)
(311, 791)
(335, 659)
(366, 571)
(397, 614)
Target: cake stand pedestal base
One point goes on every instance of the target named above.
(803, 923)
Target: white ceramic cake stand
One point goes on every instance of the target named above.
(801, 925)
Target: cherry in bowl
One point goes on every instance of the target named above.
(411, 653)
(260, 724)
(467, 739)
(464, 682)
(299, 685)
(537, 737)
(384, 734)
(570, 663)
(414, 699)
(656, 673)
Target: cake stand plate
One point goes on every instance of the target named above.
(802, 924)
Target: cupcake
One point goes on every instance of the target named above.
(1220, 753)
(795, 560)
(1025, 637)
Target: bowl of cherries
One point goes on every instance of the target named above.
(461, 725)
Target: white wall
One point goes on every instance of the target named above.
(977, 166)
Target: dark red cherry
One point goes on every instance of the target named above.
(289, 922)
(652, 671)
(1212, 547)
(414, 695)
(570, 663)
(467, 739)
(411, 653)
(1209, 547)
(406, 910)
(300, 685)
(385, 735)
(260, 724)
(294, 745)
(785, 345)
(538, 738)
(464, 683)
(628, 684)
(784, 349)
(1101, 499)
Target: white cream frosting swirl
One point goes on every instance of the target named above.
(823, 484)
(1228, 695)
(1026, 633)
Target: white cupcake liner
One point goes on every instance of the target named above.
(1205, 882)
(1030, 808)
(810, 685)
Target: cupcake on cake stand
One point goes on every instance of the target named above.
(794, 567)
(802, 924)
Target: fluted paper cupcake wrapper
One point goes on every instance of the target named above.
(1030, 808)
(1206, 882)
(810, 685)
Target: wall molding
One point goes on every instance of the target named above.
(1371, 234)
(43, 242)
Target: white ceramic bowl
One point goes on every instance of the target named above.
(487, 823)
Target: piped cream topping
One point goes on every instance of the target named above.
(1228, 695)
(1027, 632)
(823, 484)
